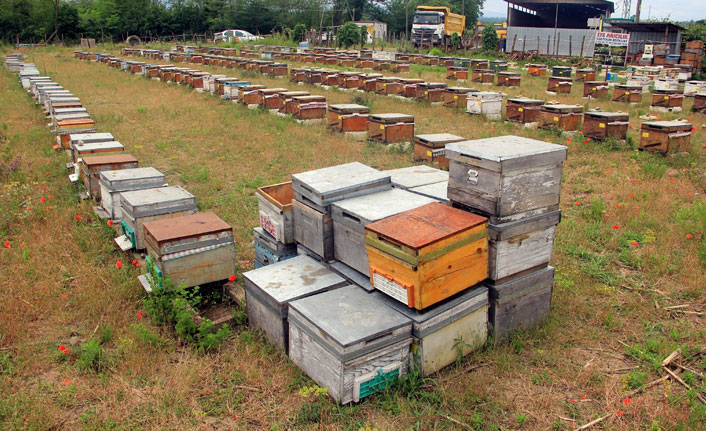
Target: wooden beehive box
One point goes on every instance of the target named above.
(73, 139)
(455, 72)
(327, 341)
(563, 71)
(557, 84)
(350, 216)
(382, 83)
(353, 81)
(509, 79)
(537, 69)
(431, 148)
(249, 94)
(112, 183)
(457, 325)
(601, 125)
(270, 289)
(190, 250)
(198, 80)
(283, 97)
(391, 128)
(415, 176)
(92, 166)
(314, 230)
(348, 117)
(522, 245)
(83, 148)
(523, 110)
(667, 99)
(699, 102)
(292, 103)
(431, 91)
(333, 80)
(141, 206)
(65, 129)
(275, 208)
(562, 117)
(486, 103)
(595, 89)
(308, 107)
(520, 303)
(455, 97)
(409, 87)
(321, 187)
(483, 76)
(264, 93)
(665, 136)
(480, 63)
(506, 178)
(268, 250)
(584, 75)
(423, 256)
(627, 93)
(399, 66)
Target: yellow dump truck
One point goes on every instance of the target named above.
(434, 25)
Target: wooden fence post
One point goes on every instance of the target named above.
(583, 41)
(570, 50)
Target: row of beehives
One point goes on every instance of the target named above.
(362, 275)
(186, 246)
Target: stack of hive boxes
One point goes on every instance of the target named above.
(516, 183)
(274, 238)
(693, 54)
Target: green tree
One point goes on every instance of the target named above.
(695, 31)
(348, 35)
(299, 33)
(490, 38)
(363, 35)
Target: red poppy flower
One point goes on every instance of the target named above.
(634, 181)
(635, 243)
(118, 264)
(616, 227)
(577, 203)
(245, 262)
(630, 126)
(51, 196)
(671, 180)
(63, 296)
(62, 347)
(583, 397)
(139, 315)
(22, 244)
(618, 206)
(632, 195)
(67, 382)
(110, 222)
(573, 400)
(7, 244)
(44, 187)
(134, 261)
(231, 278)
(626, 401)
(688, 236)
(67, 351)
(619, 413)
(48, 171)
(78, 216)
(568, 141)
(42, 200)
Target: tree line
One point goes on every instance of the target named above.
(31, 21)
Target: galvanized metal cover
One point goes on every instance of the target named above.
(391, 116)
(350, 315)
(437, 191)
(351, 107)
(293, 279)
(94, 146)
(562, 108)
(526, 100)
(439, 137)
(340, 178)
(501, 148)
(414, 176)
(114, 178)
(154, 196)
(91, 137)
(380, 205)
(607, 114)
(667, 124)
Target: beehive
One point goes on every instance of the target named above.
(520, 303)
(509, 79)
(82, 149)
(562, 117)
(483, 76)
(442, 332)
(270, 289)
(431, 91)
(537, 69)
(485, 103)
(455, 97)
(665, 136)
(559, 85)
(694, 87)
(699, 102)
(627, 93)
(353, 360)
(601, 125)
(306, 107)
(348, 117)
(563, 71)
(436, 191)
(275, 209)
(425, 255)
(431, 148)
(480, 63)
(415, 176)
(584, 75)
(595, 89)
(190, 250)
(667, 99)
(390, 128)
(350, 216)
(112, 183)
(73, 139)
(382, 84)
(506, 178)
(523, 110)
(92, 166)
(141, 206)
(284, 97)
(268, 250)
(459, 73)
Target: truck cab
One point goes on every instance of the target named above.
(428, 27)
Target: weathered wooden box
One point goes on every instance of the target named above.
(563, 71)
(480, 63)
(314, 230)
(453, 72)
(423, 256)
(270, 289)
(520, 303)
(329, 343)
(486, 103)
(321, 187)
(665, 136)
(442, 332)
(297, 105)
(694, 87)
(65, 128)
(562, 117)
(383, 82)
(268, 250)
(506, 178)
(431, 91)
(601, 125)
(509, 79)
(284, 97)
(521, 245)
(390, 128)
(275, 207)
(92, 166)
(699, 102)
(667, 99)
(409, 87)
(399, 66)
(557, 84)
(455, 97)
(627, 93)
(141, 206)
(112, 183)
(431, 148)
(72, 139)
(264, 93)
(595, 89)
(82, 149)
(415, 176)
(537, 69)
(584, 75)
(483, 76)
(350, 216)
(348, 117)
(190, 250)
(523, 110)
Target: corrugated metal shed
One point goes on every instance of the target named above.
(548, 41)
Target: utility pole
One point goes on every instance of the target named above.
(637, 13)
(406, 19)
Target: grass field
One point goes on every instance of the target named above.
(631, 244)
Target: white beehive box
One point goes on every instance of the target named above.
(347, 341)
(486, 103)
(270, 289)
(112, 183)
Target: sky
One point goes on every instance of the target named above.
(683, 10)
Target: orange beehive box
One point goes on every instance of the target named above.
(559, 84)
(348, 117)
(391, 128)
(665, 136)
(425, 255)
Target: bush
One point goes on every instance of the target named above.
(490, 38)
(455, 41)
(299, 33)
(363, 35)
(348, 35)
